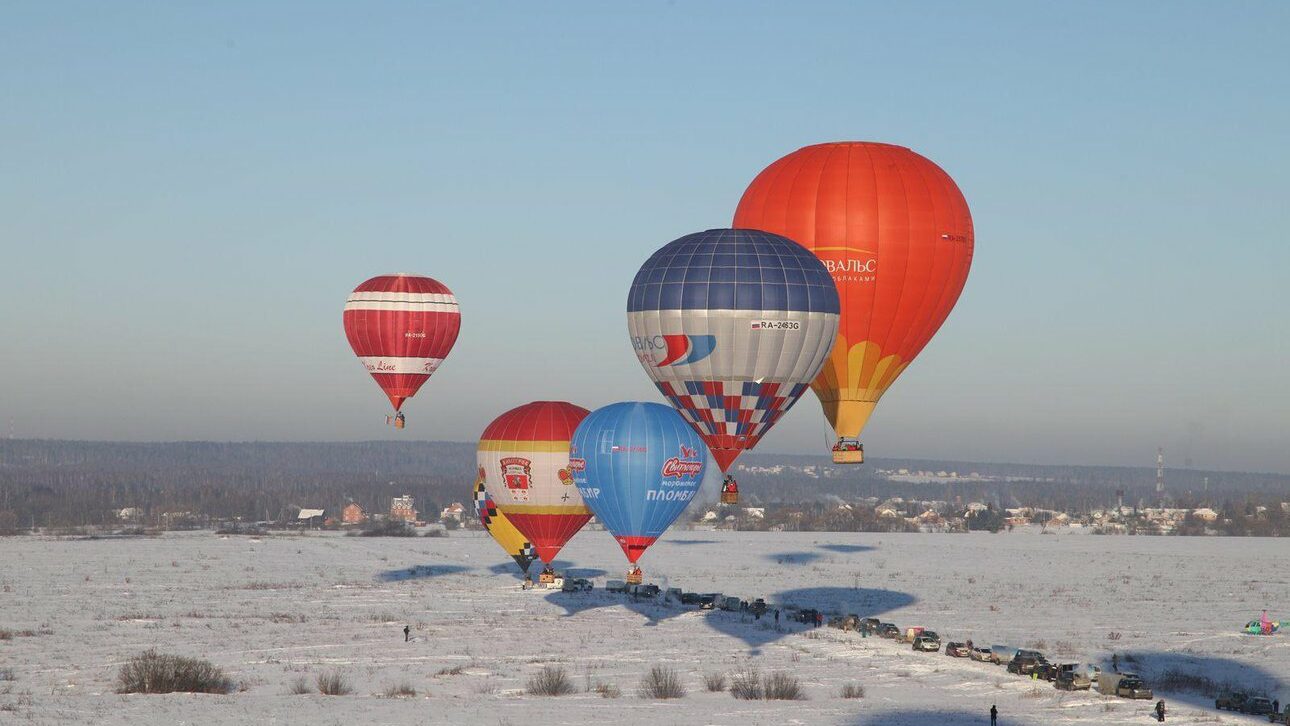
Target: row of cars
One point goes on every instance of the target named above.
(1032, 663)
(1023, 662)
(1253, 705)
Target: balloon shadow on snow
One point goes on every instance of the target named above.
(690, 541)
(793, 558)
(862, 601)
(655, 610)
(847, 549)
(1196, 679)
(934, 718)
(512, 569)
(419, 572)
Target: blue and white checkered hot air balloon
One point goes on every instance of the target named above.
(732, 325)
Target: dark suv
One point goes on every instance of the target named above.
(1026, 662)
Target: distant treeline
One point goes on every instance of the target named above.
(76, 483)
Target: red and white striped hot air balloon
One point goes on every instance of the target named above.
(401, 327)
(524, 457)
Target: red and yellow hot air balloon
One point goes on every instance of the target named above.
(895, 232)
(401, 327)
(523, 456)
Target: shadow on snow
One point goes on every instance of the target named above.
(847, 549)
(655, 610)
(1196, 679)
(512, 569)
(793, 558)
(934, 718)
(419, 572)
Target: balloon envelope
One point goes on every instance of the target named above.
(401, 327)
(502, 531)
(894, 231)
(732, 325)
(637, 465)
(524, 454)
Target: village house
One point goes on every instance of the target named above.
(353, 513)
(403, 509)
(454, 511)
(311, 518)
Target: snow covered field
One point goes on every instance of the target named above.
(273, 609)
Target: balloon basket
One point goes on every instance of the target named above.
(635, 577)
(729, 497)
(855, 456)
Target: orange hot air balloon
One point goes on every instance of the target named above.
(895, 232)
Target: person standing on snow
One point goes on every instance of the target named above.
(994, 715)
(1160, 711)
(407, 633)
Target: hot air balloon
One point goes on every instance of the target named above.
(895, 232)
(637, 465)
(401, 327)
(732, 325)
(501, 530)
(525, 455)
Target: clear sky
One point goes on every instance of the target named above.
(188, 191)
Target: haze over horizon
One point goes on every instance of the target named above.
(189, 193)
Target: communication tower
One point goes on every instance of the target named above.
(1160, 470)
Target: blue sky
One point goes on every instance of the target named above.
(189, 190)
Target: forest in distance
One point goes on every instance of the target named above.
(52, 484)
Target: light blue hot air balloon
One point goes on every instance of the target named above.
(638, 466)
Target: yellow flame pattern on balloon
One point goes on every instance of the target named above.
(852, 381)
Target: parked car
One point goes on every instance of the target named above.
(927, 643)
(616, 586)
(1026, 662)
(639, 591)
(1046, 671)
(1002, 654)
(730, 603)
(1131, 686)
(576, 584)
(1070, 677)
(673, 594)
(981, 655)
(758, 607)
(690, 598)
(888, 630)
(1259, 706)
(870, 623)
(806, 615)
(1234, 701)
(957, 650)
(709, 601)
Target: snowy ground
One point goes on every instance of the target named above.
(271, 610)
